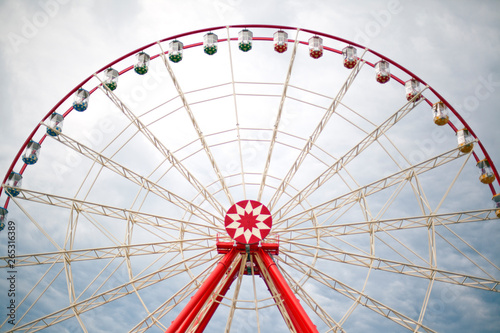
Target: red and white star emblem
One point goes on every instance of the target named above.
(248, 221)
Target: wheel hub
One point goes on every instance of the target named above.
(248, 222)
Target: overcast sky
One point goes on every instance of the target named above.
(47, 47)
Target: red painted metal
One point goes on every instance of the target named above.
(272, 246)
(295, 310)
(292, 318)
(215, 304)
(190, 311)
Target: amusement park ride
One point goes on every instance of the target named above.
(306, 224)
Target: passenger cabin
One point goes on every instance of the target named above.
(496, 201)
(350, 57)
(316, 47)
(245, 37)
(280, 39)
(465, 141)
(141, 65)
(412, 88)
(14, 181)
(210, 41)
(81, 100)
(486, 175)
(55, 124)
(440, 113)
(3, 217)
(31, 153)
(111, 78)
(382, 72)
(175, 50)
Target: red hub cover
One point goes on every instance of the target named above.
(248, 222)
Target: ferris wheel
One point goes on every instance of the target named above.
(249, 179)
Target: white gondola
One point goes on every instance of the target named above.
(496, 201)
(81, 100)
(315, 47)
(3, 217)
(245, 37)
(14, 181)
(486, 174)
(382, 72)
(175, 50)
(111, 78)
(210, 41)
(141, 65)
(465, 141)
(280, 39)
(31, 153)
(412, 88)
(440, 113)
(350, 57)
(55, 124)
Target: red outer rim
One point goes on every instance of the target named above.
(263, 26)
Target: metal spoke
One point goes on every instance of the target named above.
(174, 300)
(355, 228)
(114, 293)
(315, 135)
(353, 294)
(278, 118)
(138, 179)
(405, 268)
(161, 148)
(238, 129)
(366, 190)
(198, 131)
(234, 300)
(340, 163)
(311, 302)
(108, 252)
(116, 212)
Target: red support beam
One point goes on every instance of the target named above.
(215, 304)
(287, 309)
(292, 304)
(191, 310)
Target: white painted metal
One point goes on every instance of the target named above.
(198, 130)
(172, 250)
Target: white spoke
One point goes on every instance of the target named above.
(315, 135)
(340, 163)
(198, 130)
(366, 190)
(113, 294)
(161, 148)
(342, 229)
(116, 212)
(276, 295)
(238, 132)
(38, 226)
(184, 292)
(138, 179)
(278, 118)
(108, 252)
(313, 305)
(234, 300)
(354, 294)
(405, 268)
